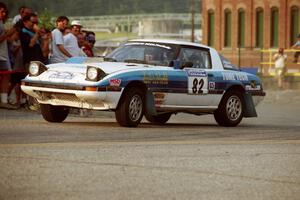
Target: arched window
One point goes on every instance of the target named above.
(274, 27)
(211, 28)
(227, 31)
(294, 24)
(241, 28)
(259, 28)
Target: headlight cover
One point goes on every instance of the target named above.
(36, 68)
(94, 74)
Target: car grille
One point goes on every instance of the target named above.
(56, 86)
(63, 98)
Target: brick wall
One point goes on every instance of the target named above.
(249, 55)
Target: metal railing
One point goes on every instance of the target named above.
(268, 63)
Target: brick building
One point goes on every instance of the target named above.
(241, 28)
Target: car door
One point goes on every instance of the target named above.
(197, 75)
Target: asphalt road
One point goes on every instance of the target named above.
(188, 158)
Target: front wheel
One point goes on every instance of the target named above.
(54, 113)
(131, 108)
(230, 112)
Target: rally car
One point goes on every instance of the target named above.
(151, 78)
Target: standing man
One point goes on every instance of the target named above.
(90, 41)
(4, 58)
(18, 17)
(18, 25)
(297, 47)
(71, 41)
(30, 40)
(280, 59)
(59, 53)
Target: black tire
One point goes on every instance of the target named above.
(54, 113)
(131, 108)
(159, 119)
(231, 109)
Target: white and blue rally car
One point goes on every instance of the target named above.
(151, 78)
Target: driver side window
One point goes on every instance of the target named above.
(199, 57)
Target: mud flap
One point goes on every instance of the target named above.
(150, 104)
(249, 108)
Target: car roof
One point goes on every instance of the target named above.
(169, 41)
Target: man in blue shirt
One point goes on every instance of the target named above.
(297, 47)
(29, 36)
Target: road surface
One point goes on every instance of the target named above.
(189, 158)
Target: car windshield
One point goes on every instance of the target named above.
(144, 52)
(227, 64)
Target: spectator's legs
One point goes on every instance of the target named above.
(4, 84)
(296, 55)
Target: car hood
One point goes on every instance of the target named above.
(107, 67)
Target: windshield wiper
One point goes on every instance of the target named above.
(135, 61)
(110, 59)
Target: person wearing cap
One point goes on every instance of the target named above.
(297, 47)
(59, 53)
(70, 39)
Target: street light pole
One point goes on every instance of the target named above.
(192, 4)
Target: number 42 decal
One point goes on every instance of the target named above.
(197, 85)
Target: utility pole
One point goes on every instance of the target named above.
(192, 7)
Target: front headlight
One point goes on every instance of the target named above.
(36, 68)
(94, 74)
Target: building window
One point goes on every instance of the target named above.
(211, 28)
(294, 24)
(259, 42)
(241, 28)
(227, 31)
(274, 27)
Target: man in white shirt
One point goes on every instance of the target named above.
(280, 68)
(59, 53)
(71, 41)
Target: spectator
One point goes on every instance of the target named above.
(4, 59)
(18, 17)
(280, 59)
(70, 40)
(90, 41)
(17, 65)
(59, 53)
(19, 24)
(81, 39)
(31, 45)
(66, 31)
(45, 40)
(297, 47)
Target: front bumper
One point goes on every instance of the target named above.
(78, 98)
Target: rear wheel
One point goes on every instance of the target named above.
(54, 113)
(230, 111)
(159, 119)
(131, 109)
